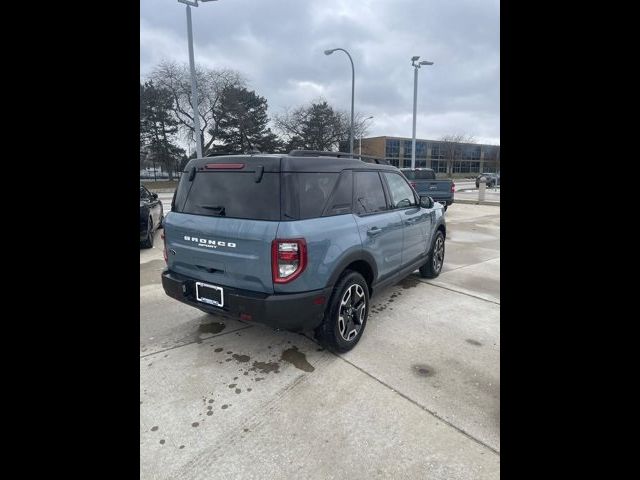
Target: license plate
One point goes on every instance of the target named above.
(209, 294)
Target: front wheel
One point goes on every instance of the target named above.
(346, 315)
(433, 266)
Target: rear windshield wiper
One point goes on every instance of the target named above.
(217, 208)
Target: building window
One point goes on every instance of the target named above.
(392, 149)
(437, 153)
(407, 150)
(439, 166)
(471, 152)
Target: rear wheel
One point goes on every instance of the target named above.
(346, 315)
(148, 242)
(433, 266)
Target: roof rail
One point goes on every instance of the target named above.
(321, 153)
(318, 153)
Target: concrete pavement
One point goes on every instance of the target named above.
(417, 398)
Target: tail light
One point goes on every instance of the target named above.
(164, 250)
(453, 187)
(288, 259)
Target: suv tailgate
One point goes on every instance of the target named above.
(225, 216)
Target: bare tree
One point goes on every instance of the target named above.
(211, 85)
(452, 147)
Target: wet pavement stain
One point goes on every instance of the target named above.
(162, 442)
(238, 390)
(217, 350)
(195, 424)
(473, 342)
(181, 447)
(297, 358)
(265, 367)
(422, 370)
(241, 358)
(409, 282)
(246, 429)
(249, 389)
(225, 406)
(232, 385)
(215, 327)
(209, 413)
(153, 429)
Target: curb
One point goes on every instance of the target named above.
(162, 190)
(476, 202)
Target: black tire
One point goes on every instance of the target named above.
(433, 266)
(340, 333)
(148, 242)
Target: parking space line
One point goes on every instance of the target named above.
(446, 422)
(195, 341)
(461, 292)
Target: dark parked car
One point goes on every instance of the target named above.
(299, 241)
(493, 179)
(151, 216)
(425, 183)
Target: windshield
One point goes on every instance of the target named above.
(419, 174)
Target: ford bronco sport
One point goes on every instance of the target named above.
(297, 241)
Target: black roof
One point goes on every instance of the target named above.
(295, 161)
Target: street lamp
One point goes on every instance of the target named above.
(353, 83)
(416, 66)
(194, 91)
(360, 144)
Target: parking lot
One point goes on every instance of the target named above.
(419, 396)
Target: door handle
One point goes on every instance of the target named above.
(374, 231)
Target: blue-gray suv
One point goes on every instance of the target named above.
(297, 241)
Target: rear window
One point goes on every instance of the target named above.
(230, 194)
(419, 174)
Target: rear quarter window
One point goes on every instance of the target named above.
(305, 194)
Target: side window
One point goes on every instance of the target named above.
(340, 201)
(401, 193)
(369, 197)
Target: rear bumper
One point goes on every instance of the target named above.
(445, 200)
(296, 312)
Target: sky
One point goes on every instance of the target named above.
(278, 45)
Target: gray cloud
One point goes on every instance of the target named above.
(278, 46)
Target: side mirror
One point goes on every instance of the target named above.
(426, 201)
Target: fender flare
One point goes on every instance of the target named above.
(347, 259)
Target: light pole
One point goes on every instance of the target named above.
(360, 143)
(416, 66)
(353, 83)
(192, 67)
